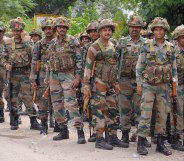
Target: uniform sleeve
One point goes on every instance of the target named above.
(35, 57)
(78, 57)
(140, 66)
(4, 55)
(90, 58)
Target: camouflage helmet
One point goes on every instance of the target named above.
(92, 26)
(106, 23)
(159, 22)
(136, 20)
(83, 34)
(47, 22)
(2, 27)
(61, 21)
(179, 31)
(17, 24)
(36, 32)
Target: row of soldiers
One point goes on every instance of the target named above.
(132, 77)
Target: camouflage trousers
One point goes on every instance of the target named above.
(41, 102)
(63, 97)
(2, 86)
(21, 85)
(153, 95)
(179, 112)
(104, 108)
(129, 102)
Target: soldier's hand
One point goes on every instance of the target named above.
(117, 88)
(139, 90)
(8, 67)
(34, 85)
(87, 91)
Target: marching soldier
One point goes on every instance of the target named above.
(156, 67)
(16, 59)
(64, 75)
(105, 77)
(38, 71)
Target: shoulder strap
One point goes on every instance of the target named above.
(152, 49)
(168, 46)
(101, 46)
(13, 43)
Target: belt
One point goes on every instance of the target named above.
(21, 68)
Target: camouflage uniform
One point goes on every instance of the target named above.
(20, 55)
(129, 102)
(64, 64)
(103, 104)
(40, 54)
(155, 68)
(2, 75)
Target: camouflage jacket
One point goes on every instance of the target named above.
(70, 43)
(180, 64)
(128, 51)
(160, 56)
(11, 52)
(39, 53)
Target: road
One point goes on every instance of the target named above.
(28, 145)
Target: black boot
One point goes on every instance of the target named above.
(141, 146)
(63, 134)
(154, 139)
(56, 127)
(1, 115)
(81, 137)
(147, 143)
(101, 144)
(14, 122)
(92, 138)
(125, 136)
(34, 123)
(114, 141)
(44, 127)
(175, 143)
(161, 147)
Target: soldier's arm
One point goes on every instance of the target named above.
(5, 52)
(140, 67)
(35, 57)
(90, 58)
(78, 59)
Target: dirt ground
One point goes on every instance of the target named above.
(28, 145)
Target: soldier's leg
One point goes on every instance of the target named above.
(125, 103)
(1, 99)
(161, 104)
(143, 131)
(111, 121)
(27, 99)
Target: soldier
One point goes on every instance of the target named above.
(84, 39)
(128, 51)
(178, 35)
(103, 105)
(36, 35)
(93, 34)
(64, 75)
(156, 67)
(2, 71)
(17, 59)
(37, 77)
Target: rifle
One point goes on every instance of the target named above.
(38, 67)
(12, 112)
(174, 103)
(86, 104)
(46, 95)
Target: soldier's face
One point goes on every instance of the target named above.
(84, 40)
(1, 34)
(181, 41)
(106, 33)
(159, 32)
(135, 30)
(17, 34)
(48, 31)
(61, 30)
(35, 38)
(93, 34)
